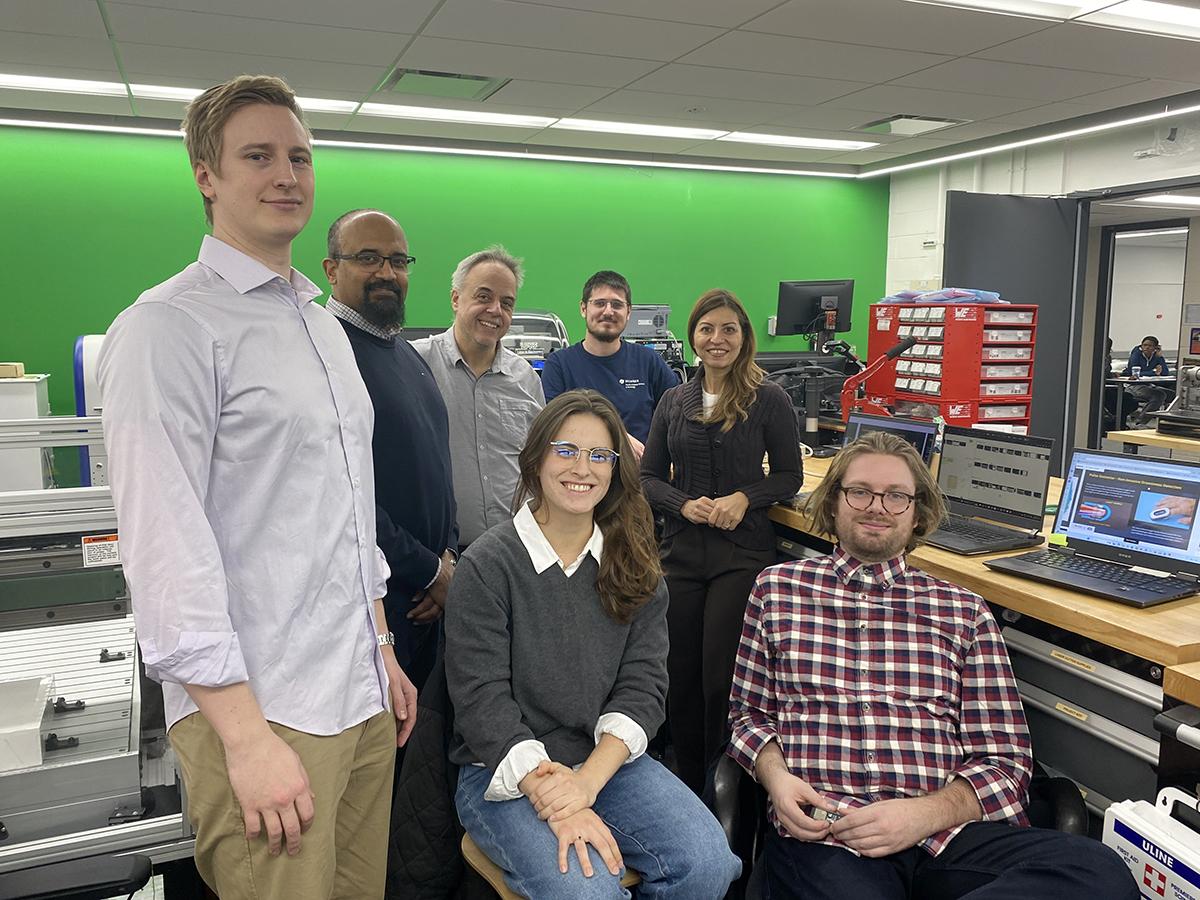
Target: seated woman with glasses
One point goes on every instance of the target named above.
(555, 661)
(703, 469)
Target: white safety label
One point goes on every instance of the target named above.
(101, 550)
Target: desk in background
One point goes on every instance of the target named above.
(1115, 655)
(1148, 437)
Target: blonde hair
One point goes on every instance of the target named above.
(930, 505)
(740, 389)
(204, 120)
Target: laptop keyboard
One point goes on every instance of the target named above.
(1111, 572)
(969, 528)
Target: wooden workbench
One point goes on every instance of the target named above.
(1167, 634)
(1148, 437)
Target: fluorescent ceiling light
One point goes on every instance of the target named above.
(787, 140)
(1044, 139)
(1039, 9)
(1148, 16)
(459, 116)
(1168, 200)
(63, 85)
(667, 131)
(80, 126)
(1153, 232)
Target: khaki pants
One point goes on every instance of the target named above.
(343, 856)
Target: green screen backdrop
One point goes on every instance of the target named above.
(91, 220)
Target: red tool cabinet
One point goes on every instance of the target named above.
(973, 362)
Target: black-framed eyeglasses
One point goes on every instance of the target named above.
(894, 502)
(601, 302)
(598, 455)
(368, 260)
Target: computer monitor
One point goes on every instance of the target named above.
(802, 306)
(1136, 510)
(995, 475)
(921, 433)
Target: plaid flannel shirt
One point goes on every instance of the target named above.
(879, 682)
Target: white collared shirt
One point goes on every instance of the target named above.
(525, 756)
(239, 440)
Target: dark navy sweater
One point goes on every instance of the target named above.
(414, 495)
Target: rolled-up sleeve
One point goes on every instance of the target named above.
(160, 377)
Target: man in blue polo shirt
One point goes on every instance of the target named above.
(633, 377)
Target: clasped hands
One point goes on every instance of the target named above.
(725, 513)
(563, 799)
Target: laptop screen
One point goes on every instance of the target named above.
(920, 433)
(995, 475)
(1132, 509)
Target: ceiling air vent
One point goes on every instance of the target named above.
(907, 126)
(419, 82)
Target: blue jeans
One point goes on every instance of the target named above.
(665, 834)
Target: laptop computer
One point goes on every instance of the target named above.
(995, 487)
(1132, 530)
(921, 433)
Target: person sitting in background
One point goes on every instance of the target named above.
(555, 662)
(1146, 360)
(878, 708)
(1128, 403)
(703, 470)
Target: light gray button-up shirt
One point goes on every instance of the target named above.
(239, 439)
(489, 418)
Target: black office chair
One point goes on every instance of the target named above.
(740, 805)
(91, 878)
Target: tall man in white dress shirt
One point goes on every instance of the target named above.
(239, 439)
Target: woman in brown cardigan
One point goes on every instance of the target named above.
(702, 469)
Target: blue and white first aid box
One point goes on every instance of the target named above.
(1162, 852)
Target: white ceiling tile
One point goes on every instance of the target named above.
(1140, 92)
(893, 24)
(675, 107)
(378, 15)
(206, 67)
(497, 61)
(697, 12)
(547, 95)
(549, 27)
(832, 116)
(236, 34)
(981, 76)
(891, 100)
(1040, 115)
(84, 53)
(74, 18)
(799, 56)
(1103, 50)
(734, 84)
(975, 130)
(79, 103)
(580, 140)
(53, 70)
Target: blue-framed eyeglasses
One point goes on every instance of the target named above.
(597, 455)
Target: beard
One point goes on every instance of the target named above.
(605, 337)
(872, 548)
(383, 304)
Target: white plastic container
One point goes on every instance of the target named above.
(1006, 335)
(22, 705)
(1004, 372)
(1013, 353)
(1008, 317)
(1004, 389)
(1012, 411)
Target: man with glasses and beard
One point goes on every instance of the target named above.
(367, 269)
(632, 377)
(877, 707)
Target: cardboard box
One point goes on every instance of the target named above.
(12, 370)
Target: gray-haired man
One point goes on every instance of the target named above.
(491, 393)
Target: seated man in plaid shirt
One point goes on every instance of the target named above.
(877, 707)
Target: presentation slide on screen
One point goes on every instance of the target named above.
(1136, 508)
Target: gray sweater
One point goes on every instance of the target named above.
(533, 656)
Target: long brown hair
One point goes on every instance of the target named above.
(930, 505)
(740, 389)
(629, 570)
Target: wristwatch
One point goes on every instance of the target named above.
(386, 640)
